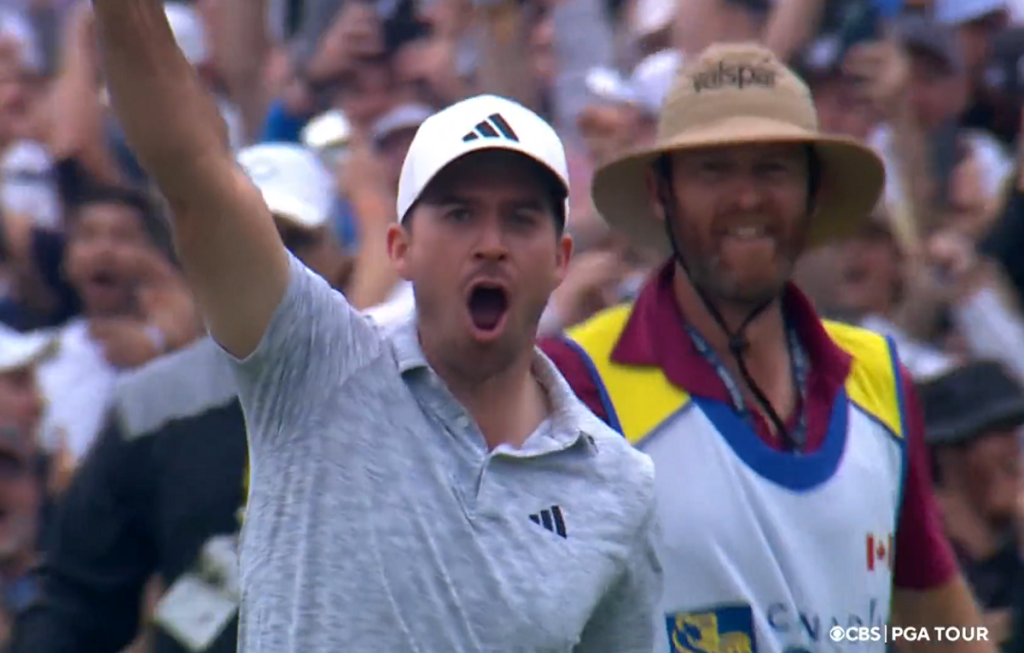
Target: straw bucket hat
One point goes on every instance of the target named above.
(739, 94)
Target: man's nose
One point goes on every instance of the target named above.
(491, 240)
(747, 194)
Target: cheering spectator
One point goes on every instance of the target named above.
(22, 492)
(110, 238)
(972, 418)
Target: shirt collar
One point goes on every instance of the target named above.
(405, 342)
(655, 335)
(571, 422)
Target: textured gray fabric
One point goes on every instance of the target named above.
(378, 519)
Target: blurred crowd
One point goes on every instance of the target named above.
(321, 99)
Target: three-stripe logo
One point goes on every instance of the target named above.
(551, 519)
(494, 127)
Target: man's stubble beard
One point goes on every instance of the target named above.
(719, 285)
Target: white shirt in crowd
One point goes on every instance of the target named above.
(77, 383)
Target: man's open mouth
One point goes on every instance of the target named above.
(488, 305)
(103, 279)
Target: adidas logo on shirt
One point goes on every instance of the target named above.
(551, 519)
(494, 127)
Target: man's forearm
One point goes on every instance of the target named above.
(225, 237)
(151, 84)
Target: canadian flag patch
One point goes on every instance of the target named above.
(880, 551)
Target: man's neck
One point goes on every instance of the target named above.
(766, 355)
(507, 406)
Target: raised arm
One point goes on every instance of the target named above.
(226, 239)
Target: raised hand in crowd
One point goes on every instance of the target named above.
(126, 342)
(165, 301)
(167, 317)
(363, 171)
(363, 178)
(355, 33)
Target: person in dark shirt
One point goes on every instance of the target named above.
(972, 418)
(1005, 241)
(22, 494)
(161, 492)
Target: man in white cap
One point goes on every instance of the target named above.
(299, 192)
(434, 487)
(789, 452)
(21, 403)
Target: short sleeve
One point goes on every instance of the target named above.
(924, 557)
(314, 340)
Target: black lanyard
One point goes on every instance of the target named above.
(798, 356)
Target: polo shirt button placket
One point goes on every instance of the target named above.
(488, 508)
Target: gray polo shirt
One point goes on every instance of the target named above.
(378, 520)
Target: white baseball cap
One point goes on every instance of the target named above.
(651, 16)
(295, 185)
(403, 117)
(189, 32)
(22, 350)
(645, 88)
(611, 86)
(652, 78)
(329, 129)
(483, 122)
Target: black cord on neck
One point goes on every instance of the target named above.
(737, 340)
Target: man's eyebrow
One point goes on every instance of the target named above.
(533, 204)
(447, 199)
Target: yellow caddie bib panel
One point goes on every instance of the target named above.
(640, 398)
(637, 398)
(873, 383)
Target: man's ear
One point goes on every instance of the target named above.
(399, 239)
(563, 256)
(654, 193)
